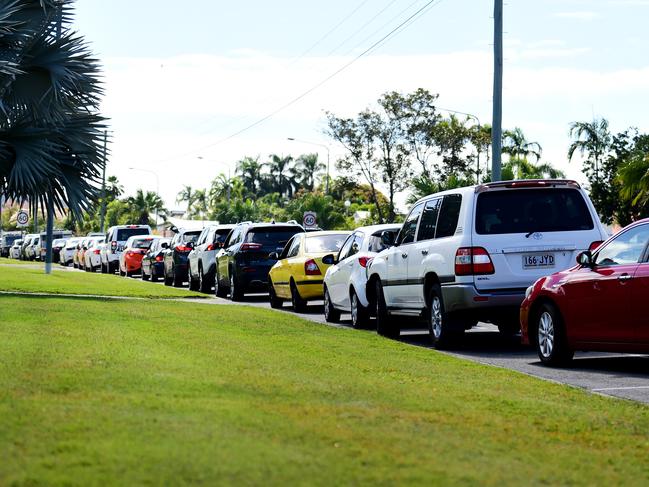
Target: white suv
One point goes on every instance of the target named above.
(468, 254)
(116, 237)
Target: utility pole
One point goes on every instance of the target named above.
(102, 215)
(50, 197)
(496, 125)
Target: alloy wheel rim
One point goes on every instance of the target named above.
(354, 309)
(546, 334)
(200, 278)
(326, 304)
(436, 317)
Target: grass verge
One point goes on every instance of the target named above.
(176, 393)
(22, 279)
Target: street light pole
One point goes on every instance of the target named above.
(292, 139)
(157, 187)
(496, 125)
(103, 186)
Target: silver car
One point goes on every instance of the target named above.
(202, 267)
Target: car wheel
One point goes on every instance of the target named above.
(360, 314)
(193, 283)
(331, 314)
(204, 284)
(104, 268)
(385, 324)
(551, 342)
(144, 275)
(443, 331)
(235, 292)
(177, 280)
(219, 290)
(299, 304)
(508, 328)
(167, 279)
(275, 302)
(154, 276)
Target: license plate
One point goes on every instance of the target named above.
(535, 261)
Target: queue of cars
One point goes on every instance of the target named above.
(500, 252)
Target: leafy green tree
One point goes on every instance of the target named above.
(521, 168)
(250, 171)
(307, 169)
(51, 133)
(187, 194)
(330, 212)
(630, 160)
(593, 141)
(142, 205)
(518, 147)
(281, 172)
(452, 137)
(198, 210)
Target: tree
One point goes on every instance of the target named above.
(452, 136)
(220, 190)
(517, 147)
(143, 204)
(630, 160)
(281, 174)
(330, 212)
(186, 194)
(521, 168)
(306, 170)
(113, 189)
(250, 172)
(51, 133)
(198, 210)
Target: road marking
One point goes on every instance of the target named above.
(620, 388)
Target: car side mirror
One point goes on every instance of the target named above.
(190, 245)
(585, 259)
(164, 245)
(329, 259)
(387, 238)
(174, 228)
(273, 255)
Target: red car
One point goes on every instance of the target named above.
(596, 305)
(130, 262)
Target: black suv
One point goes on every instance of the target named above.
(175, 255)
(243, 263)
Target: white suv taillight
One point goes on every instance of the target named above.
(471, 261)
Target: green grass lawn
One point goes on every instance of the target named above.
(4, 260)
(23, 279)
(159, 392)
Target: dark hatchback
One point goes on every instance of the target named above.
(152, 262)
(243, 263)
(175, 256)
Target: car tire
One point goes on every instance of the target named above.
(177, 280)
(275, 302)
(167, 280)
(444, 332)
(508, 328)
(204, 283)
(551, 341)
(193, 283)
(154, 276)
(236, 293)
(144, 275)
(104, 268)
(331, 314)
(219, 290)
(299, 304)
(360, 314)
(385, 325)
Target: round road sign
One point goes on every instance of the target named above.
(22, 218)
(309, 219)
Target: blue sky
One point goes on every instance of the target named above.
(181, 80)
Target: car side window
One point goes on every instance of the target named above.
(344, 250)
(429, 220)
(627, 248)
(356, 244)
(449, 215)
(407, 232)
(294, 248)
(234, 237)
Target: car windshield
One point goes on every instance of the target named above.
(59, 242)
(10, 239)
(190, 236)
(221, 235)
(325, 243)
(272, 236)
(72, 243)
(532, 210)
(124, 233)
(141, 243)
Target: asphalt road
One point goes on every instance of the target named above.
(619, 375)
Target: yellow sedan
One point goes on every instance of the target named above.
(299, 271)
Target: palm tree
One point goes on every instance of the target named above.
(143, 204)
(113, 189)
(516, 145)
(591, 138)
(220, 189)
(186, 194)
(634, 177)
(307, 168)
(282, 174)
(199, 206)
(521, 168)
(249, 170)
(51, 133)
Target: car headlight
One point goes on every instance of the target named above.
(528, 291)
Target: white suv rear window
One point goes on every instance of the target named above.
(532, 210)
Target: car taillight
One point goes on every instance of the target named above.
(96, 251)
(472, 261)
(182, 248)
(311, 268)
(250, 246)
(364, 261)
(593, 246)
(113, 246)
(158, 258)
(210, 247)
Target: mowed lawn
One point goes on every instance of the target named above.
(158, 392)
(32, 278)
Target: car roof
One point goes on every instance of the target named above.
(370, 229)
(321, 233)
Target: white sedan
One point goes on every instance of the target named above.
(344, 282)
(91, 258)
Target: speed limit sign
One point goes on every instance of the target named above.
(309, 219)
(22, 218)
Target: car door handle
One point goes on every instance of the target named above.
(624, 277)
(424, 252)
(404, 254)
